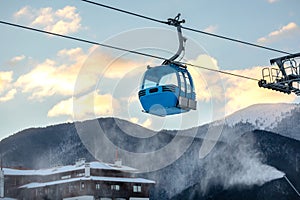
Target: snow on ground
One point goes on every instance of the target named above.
(262, 116)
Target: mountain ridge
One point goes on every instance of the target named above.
(281, 112)
(241, 147)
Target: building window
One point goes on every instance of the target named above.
(80, 174)
(48, 191)
(82, 185)
(137, 188)
(72, 187)
(97, 186)
(66, 177)
(115, 187)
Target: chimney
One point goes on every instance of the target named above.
(87, 170)
(80, 162)
(118, 162)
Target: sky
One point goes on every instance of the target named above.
(47, 80)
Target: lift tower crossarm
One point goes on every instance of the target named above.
(286, 79)
(280, 62)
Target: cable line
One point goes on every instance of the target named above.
(81, 40)
(235, 40)
(120, 49)
(124, 11)
(223, 72)
(187, 28)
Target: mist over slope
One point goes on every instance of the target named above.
(276, 154)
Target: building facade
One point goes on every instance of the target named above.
(94, 180)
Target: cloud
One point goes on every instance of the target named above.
(62, 108)
(114, 67)
(291, 30)
(18, 58)
(134, 120)
(207, 83)
(75, 54)
(147, 123)
(8, 96)
(24, 12)
(47, 79)
(73, 71)
(58, 76)
(88, 71)
(120, 67)
(6, 91)
(61, 21)
(45, 17)
(211, 29)
(241, 93)
(86, 106)
(5, 80)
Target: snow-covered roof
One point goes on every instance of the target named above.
(84, 197)
(95, 178)
(67, 168)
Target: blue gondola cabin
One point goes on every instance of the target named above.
(167, 90)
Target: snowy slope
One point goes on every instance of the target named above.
(281, 118)
(262, 116)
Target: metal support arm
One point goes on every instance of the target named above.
(176, 22)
